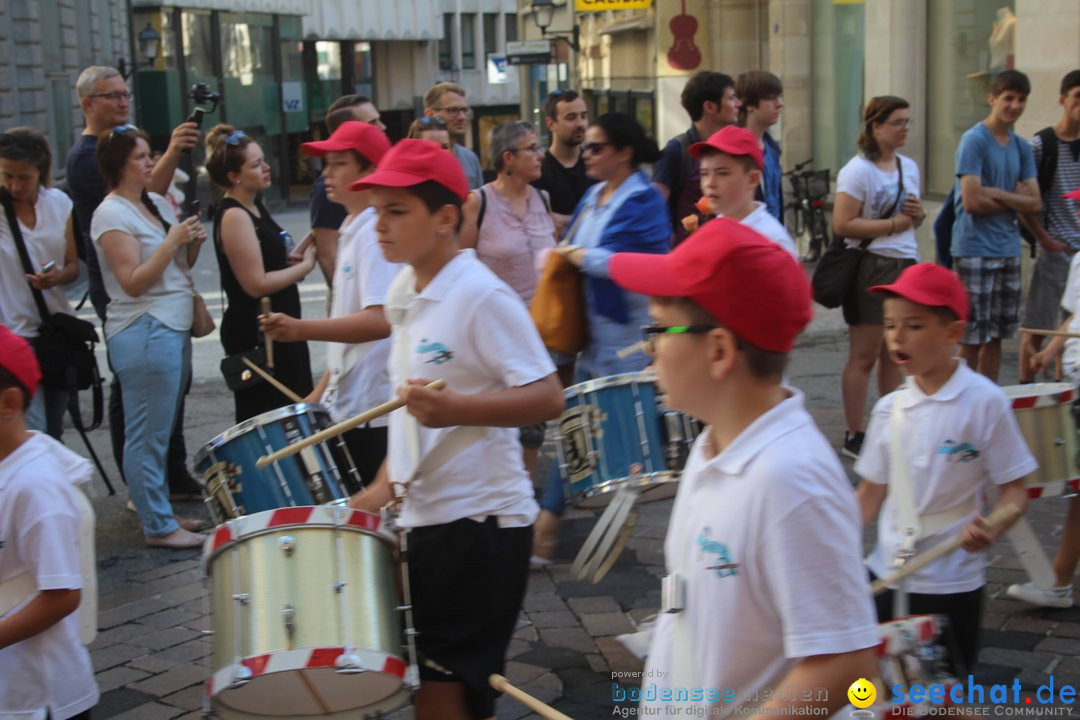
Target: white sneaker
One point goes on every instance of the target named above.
(1055, 597)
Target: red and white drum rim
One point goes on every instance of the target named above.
(304, 516)
(323, 658)
(1025, 397)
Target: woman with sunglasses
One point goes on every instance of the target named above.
(433, 129)
(146, 258)
(44, 217)
(621, 213)
(877, 200)
(254, 256)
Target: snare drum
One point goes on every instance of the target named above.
(910, 653)
(316, 475)
(304, 612)
(615, 433)
(1044, 413)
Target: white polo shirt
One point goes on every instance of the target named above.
(766, 538)
(1070, 300)
(469, 328)
(763, 221)
(358, 377)
(39, 529)
(958, 441)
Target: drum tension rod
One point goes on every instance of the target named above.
(242, 598)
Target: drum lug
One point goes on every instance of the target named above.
(1058, 442)
(287, 543)
(240, 678)
(349, 663)
(242, 598)
(339, 586)
(403, 608)
(288, 616)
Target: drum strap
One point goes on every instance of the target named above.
(14, 591)
(913, 526)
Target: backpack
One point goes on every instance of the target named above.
(1046, 171)
(483, 205)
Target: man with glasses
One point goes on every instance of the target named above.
(106, 103)
(447, 100)
(327, 215)
(562, 172)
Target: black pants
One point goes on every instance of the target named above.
(367, 447)
(963, 612)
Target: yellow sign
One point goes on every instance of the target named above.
(596, 5)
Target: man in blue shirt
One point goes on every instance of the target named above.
(762, 96)
(996, 171)
(447, 100)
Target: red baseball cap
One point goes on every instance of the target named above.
(412, 162)
(745, 281)
(365, 139)
(1074, 195)
(932, 285)
(733, 140)
(18, 359)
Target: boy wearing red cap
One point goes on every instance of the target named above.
(731, 163)
(454, 459)
(932, 449)
(765, 588)
(356, 332)
(44, 668)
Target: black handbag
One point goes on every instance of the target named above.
(238, 374)
(836, 272)
(65, 344)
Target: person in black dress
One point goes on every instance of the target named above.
(255, 263)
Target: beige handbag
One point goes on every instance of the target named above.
(202, 322)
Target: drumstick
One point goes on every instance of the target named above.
(541, 708)
(631, 349)
(1060, 333)
(338, 428)
(1000, 516)
(273, 381)
(269, 341)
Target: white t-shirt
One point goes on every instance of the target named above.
(44, 243)
(957, 442)
(763, 221)
(358, 377)
(170, 298)
(1071, 302)
(766, 538)
(469, 328)
(39, 530)
(876, 190)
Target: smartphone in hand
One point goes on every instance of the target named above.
(51, 265)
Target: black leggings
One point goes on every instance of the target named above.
(961, 633)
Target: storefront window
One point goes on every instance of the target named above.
(198, 45)
(328, 59)
(511, 27)
(491, 40)
(247, 47)
(969, 41)
(363, 74)
(468, 41)
(292, 50)
(446, 44)
(838, 59)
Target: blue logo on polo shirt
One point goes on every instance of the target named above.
(724, 567)
(958, 452)
(434, 352)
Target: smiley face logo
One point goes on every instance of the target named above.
(862, 693)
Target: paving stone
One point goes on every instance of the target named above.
(640, 615)
(540, 582)
(171, 618)
(197, 715)
(597, 663)
(1015, 658)
(154, 663)
(549, 656)
(1060, 646)
(130, 611)
(120, 633)
(170, 682)
(612, 623)
(527, 633)
(155, 639)
(1024, 623)
(187, 652)
(165, 570)
(573, 638)
(553, 619)
(516, 648)
(1009, 639)
(114, 655)
(519, 673)
(600, 604)
(119, 700)
(618, 658)
(1067, 629)
(187, 699)
(1032, 679)
(150, 711)
(118, 677)
(547, 601)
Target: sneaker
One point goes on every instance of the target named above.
(1055, 597)
(853, 444)
(538, 563)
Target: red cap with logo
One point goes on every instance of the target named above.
(18, 358)
(732, 140)
(1074, 195)
(745, 281)
(412, 162)
(932, 285)
(365, 139)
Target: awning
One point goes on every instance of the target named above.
(373, 20)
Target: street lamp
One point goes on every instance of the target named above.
(543, 13)
(149, 45)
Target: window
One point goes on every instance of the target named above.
(247, 47)
(968, 43)
(195, 29)
(511, 27)
(363, 76)
(292, 49)
(446, 45)
(491, 41)
(328, 59)
(838, 45)
(468, 41)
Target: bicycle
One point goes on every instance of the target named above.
(805, 215)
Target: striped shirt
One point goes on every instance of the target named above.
(1060, 217)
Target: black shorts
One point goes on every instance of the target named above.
(468, 582)
(367, 447)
